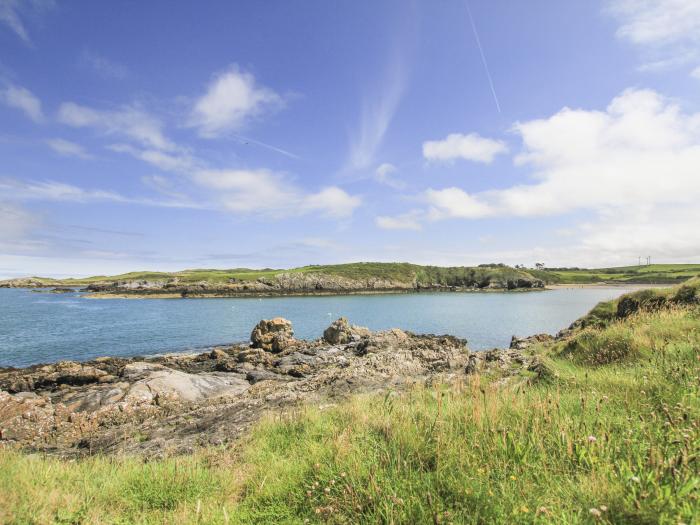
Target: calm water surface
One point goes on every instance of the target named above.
(38, 327)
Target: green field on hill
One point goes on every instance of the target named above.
(424, 275)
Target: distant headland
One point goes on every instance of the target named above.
(353, 278)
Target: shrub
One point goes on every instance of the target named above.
(611, 345)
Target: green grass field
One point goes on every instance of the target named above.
(423, 275)
(654, 273)
(402, 272)
(607, 432)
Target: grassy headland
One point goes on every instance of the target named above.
(339, 278)
(606, 430)
(355, 278)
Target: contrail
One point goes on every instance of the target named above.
(268, 146)
(483, 57)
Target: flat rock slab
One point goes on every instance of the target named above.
(165, 383)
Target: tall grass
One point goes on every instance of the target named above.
(612, 437)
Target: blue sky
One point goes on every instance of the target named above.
(170, 135)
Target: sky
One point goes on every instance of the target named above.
(169, 135)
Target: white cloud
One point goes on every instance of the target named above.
(657, 21)
(232, 98)
(375, 118)
(667, 31)
(455, 203)
(641, 151)
(9, 15)
(104, 67)
(405, 221)
(696, 73)
(16, 190)
(67, 148)
(131, 122)
(166, 161)
(331, 202)
(383, 176)
(634, 167)
(24, 100)
(263, 192)
(469, 147)
(15, 222)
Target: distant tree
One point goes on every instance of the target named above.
(539, 266)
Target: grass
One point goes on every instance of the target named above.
(422, 275)
(401, 272)
(609, 434)
(653, 273)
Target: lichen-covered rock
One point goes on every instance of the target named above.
(273, 335)
(342, 332)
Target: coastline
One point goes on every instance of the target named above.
(310, 293)
(633, 286)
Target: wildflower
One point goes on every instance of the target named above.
(343, 474)
(603, 508)
(318, 510)
(513, 478)
(308, 493)
(635, 479)
(327, 490)
(592, 439)
(595, 512)
(524, 509)
(542, 510)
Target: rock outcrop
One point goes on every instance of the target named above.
(305, 283)
(342, 332)
(171, 404)
(273, 335)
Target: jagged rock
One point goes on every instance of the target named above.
(182, 401)
(342, 332)
(522, 343)
(273, 335)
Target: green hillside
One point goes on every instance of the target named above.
(414, 273)
(403, 272)
(653, 273)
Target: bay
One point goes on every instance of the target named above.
(43, 327)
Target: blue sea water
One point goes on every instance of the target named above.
(42, 327)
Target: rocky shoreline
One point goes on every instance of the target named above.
(172, 404)
(282, 284)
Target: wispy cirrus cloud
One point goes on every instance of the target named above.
(66, 148)
(267, 193)
(377, 112)
(47, 190)
(21, 98)
(102, 66)
(128, 121)
(12, 13)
